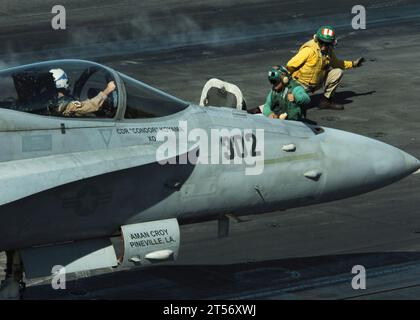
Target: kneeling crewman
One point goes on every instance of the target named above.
(287, 97)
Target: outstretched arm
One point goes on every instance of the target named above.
(338, 63)
(108, 90)
(90, 105)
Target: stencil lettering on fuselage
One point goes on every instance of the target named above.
(36, 143)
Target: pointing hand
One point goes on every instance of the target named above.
(358, 63)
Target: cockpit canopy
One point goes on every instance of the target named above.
(31, 89)
(143, 101)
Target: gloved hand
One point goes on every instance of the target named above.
(283, 116)
(290, 97)
(358, 63)
(110, 87)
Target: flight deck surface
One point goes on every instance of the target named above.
(304, 253)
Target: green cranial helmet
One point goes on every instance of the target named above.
(277, 74)
(326, 34)
(274, 76)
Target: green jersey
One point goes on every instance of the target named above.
(278, 103)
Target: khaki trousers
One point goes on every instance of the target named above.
(331, 81)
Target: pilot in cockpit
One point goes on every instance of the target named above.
(68, 106)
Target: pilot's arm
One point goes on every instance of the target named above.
(80, 108)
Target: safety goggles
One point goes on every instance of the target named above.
(326, 44)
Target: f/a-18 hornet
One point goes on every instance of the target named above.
(143, 162)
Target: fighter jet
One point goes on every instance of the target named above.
(146, 162)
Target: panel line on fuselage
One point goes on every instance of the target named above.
(300, 157)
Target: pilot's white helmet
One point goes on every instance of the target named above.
(60, 78)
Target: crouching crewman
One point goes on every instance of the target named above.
(316, 66)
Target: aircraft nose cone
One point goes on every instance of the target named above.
(390, 162)
(412, 163)
(357, 164)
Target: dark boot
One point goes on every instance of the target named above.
(329, 104)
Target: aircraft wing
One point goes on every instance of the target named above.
(22, 178)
